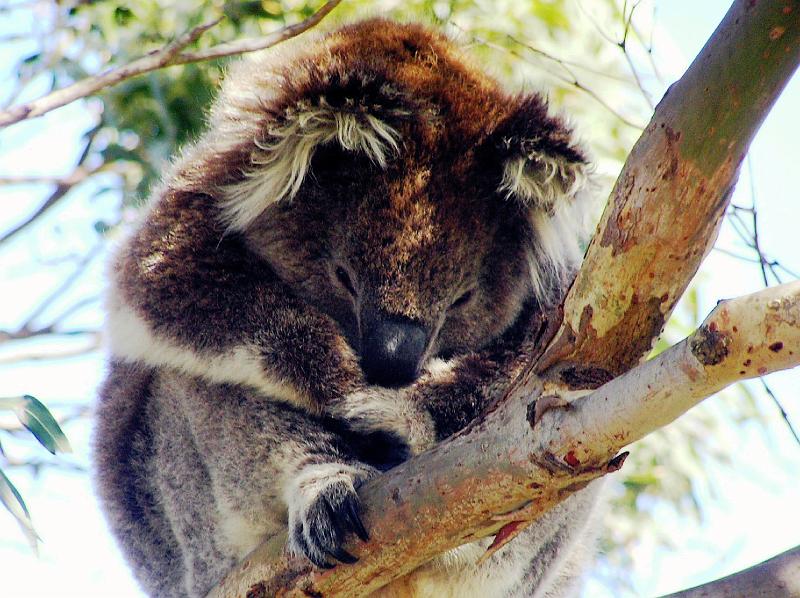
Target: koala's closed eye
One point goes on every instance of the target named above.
(463, 299)
(345, 280)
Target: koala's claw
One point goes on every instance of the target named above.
(302, 547)
(320, 526)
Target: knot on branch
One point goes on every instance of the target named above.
(710, 345)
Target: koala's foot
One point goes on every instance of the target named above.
(323, 508)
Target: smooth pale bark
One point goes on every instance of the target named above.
(779, 577)
(511, 467)
(661, 220)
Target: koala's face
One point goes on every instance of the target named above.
(415, 260)
(403, 193)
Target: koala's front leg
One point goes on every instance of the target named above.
(184, 294)
(446, 397)
(272, 466)
(458, 391)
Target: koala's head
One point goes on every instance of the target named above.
(398, 189)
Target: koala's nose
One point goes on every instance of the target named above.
(391, 352)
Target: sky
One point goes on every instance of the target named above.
(746, 523)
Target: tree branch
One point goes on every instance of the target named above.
(777, 577)
(522, 459)
(169, 55)
(668, 202)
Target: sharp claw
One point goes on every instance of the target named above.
(342, 555)
(318, 561)
(356, 523)
(306, 550)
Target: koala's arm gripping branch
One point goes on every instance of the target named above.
(666, 207)
(507, 470)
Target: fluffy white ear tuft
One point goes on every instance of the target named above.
(280, 162)
(558, 245)
(542, 181)
(553, 189)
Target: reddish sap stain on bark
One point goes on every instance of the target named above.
(507, 530)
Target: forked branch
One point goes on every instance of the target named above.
(510, 469)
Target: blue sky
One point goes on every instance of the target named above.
(745, 524)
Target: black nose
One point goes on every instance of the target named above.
(391, 351)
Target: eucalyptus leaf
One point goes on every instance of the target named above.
(12, 500)
(37, 419)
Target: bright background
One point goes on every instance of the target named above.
(748, 509)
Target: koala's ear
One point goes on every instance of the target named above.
(542, 165)
(543, 169)
(354, 112)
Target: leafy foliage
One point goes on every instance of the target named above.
(32, 414)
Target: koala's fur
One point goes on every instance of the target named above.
(365, 178)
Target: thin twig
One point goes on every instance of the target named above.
(258, 43)
(571, 80)
(63, 287)
(735, 255)
(79, 175)
(27, 333)
(781, 410)
(169, 55)
(648, 46)
(623, 45)
(562, 61)
(93, 344)
(37, 464)
(78, 305)
(32, 179)
(749, 234)
(627, 18)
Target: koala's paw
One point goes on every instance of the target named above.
(388, 413)
(324, 508)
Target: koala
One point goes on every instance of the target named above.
(348, 267)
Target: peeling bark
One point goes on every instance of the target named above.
(668, 202)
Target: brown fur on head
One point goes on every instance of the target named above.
(383, 177)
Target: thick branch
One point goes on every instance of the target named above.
(779, 577)
(169, 55)
(505, 471)
(668, 202)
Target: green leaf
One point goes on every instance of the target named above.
(123, 15)
(12, 500)
(34, 415)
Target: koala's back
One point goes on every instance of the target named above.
(144, 457)
(125, 474)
